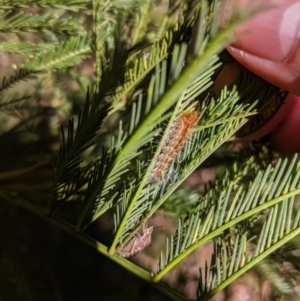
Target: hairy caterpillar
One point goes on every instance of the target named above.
(179, 134)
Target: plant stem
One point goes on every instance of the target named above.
(128, 265)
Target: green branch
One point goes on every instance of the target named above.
(174, 92)
(220, 230)
(71, 5)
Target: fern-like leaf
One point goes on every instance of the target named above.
(182, 79)
(73, 144)
(63, 55)
(23, 48)
(217, 216)
(280, 227)
(71, 5)
(20, 75)
(37, 23)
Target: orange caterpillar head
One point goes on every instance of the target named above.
(190, 117)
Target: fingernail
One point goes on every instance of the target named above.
(272, 34)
